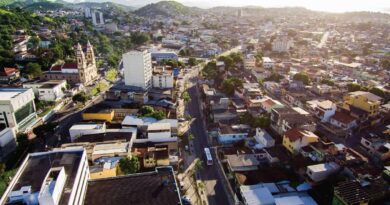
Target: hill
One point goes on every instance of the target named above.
(167, 8)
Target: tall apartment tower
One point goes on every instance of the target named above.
(97, 18)
(138, 69)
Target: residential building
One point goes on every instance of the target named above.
(296, 138)
(376, 146)
(268, 104)
(105, 169)
(320, 172)
(250, 62)
(362, 100)
(153, 187)
(283, 119)
(162, 78)
(9, 75)
(282, 44)
(263, 138)
(343, 121)
(267, 62)
(137, 67)
(163, 55)
(17, 109)
(353, 192)
(54, 177)
(97, 18)
(82, 71)
(323, 110)
(52, 90)
(229, 134)
(79, 130)
(97, 114)
(242, 162)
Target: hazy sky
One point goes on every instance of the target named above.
(320, 5)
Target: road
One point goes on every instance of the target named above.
(209, 174)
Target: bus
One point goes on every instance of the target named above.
(208, 157)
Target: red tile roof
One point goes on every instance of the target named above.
(56, 68)
(69, 66)
(8, 71)
(343, 118)
(294, 134)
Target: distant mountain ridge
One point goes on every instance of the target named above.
(166, 8)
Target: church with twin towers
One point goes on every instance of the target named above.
(82, 71)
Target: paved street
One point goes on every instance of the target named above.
(209, 174)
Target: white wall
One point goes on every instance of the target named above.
(162, 81)
(138, 69)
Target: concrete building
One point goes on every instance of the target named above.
(323, 110)
(250, 62)
(361, 100)
(295, 139)
(17, 109)
(87, 12)
(282, 44)
(97, 18)
(231, 134)
(49, 178)
(163, 55)
(52, 90)
(162, 78)
(138, 69)
(263, 138)
(82, 71)
(268, 62)
(320, 172)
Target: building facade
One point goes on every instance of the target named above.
(138, 69)
(17, 109)
(82, 71)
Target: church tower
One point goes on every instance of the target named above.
(90, 54)
(81, 62)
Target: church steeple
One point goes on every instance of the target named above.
(90, 54)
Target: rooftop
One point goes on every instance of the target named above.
(104, 137)
(157, 187)
(9, 93)
(38, 165)
(368, 95)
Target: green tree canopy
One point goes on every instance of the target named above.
(276, 77)
(139, 38)
(302, 77)
(230, 84)
(210, 70)
(377, 91)
(33, 70)
(111, 74)
(129, 165)
(80, 97)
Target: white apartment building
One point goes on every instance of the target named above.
(282, 44)
(17, 109)
(49, 178)
(137, 67)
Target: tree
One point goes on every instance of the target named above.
(302, 77)
(191, 137)
(276, 77)
(129, 165)
(80, 97)
(210, 70)
(385, 64)
(41, 130)
(352, 87)
(139, 38)
(186, 97)
(111, 74)
(192, 61)
(379, 92)
(33, 70)
(327, 82)
(34, 41)
(198, 165)
(145, 110)
(230, 84)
